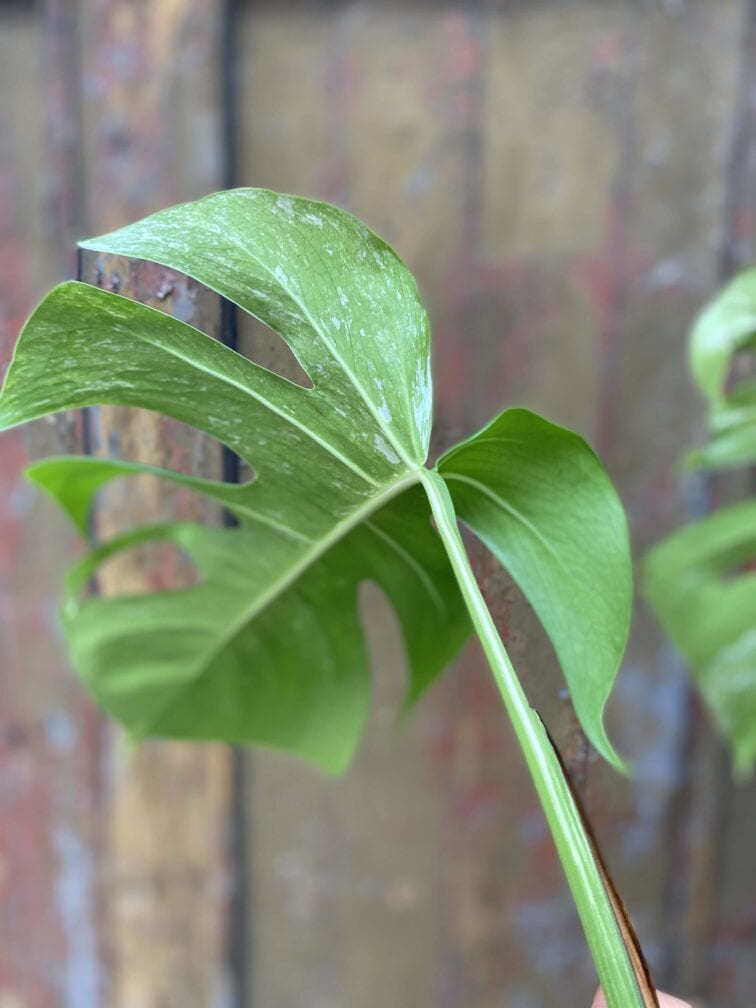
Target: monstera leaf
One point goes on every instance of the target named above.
(724, 330)
(491, 478)
(701, 580)
(267, 646)
(733, 433)
(698, 580)
(725, 327)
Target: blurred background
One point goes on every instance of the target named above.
(569, 181)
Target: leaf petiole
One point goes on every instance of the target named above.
(610, 953)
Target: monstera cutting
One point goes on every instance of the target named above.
(701, 579)
(267, 646)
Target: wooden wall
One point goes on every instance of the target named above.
(569, 181)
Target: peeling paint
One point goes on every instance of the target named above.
(74, 900)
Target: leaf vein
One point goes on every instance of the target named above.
(514, 512)
(334, 452)
(418, 568)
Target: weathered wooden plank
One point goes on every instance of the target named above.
(131, 861)
(406, 130)
(554, 174)
(150, 137)
(722, 958)
(164, 868)
(670, 205)
(50, 747)
(343, 873)
(516, 326)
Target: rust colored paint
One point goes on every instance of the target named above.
(568, 182)
(150, 117)
(49, 734)
(26, 871)
(114, 113)
(167, 832)
(532, 164)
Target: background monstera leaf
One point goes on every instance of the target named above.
(701, 586)
(268, 647)
(723, 331)
(701, 580)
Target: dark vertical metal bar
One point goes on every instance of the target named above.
(229, 337)
(238, 940)
(228, 88)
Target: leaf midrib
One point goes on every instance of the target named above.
(340, 362)
(310, 557)
(228, 380)
(356, 383)
(513, 511)
(415, 566)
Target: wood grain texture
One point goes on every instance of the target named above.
(534, 165)
(50, 734)
(670, 216)
(151, 137)
(726, 930)
(569, 181)
(165, 874)
(113, 862)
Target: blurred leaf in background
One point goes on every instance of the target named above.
(701, 580)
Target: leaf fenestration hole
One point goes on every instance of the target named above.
(737, 570)
(158, 500)
(140, 435)
(741, 377)
(265, 347)
(141, 570)
(388, 660)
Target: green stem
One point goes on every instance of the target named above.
(592, 899)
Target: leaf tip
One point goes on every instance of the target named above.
(39, 475)
(604, 747)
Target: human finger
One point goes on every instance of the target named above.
(665, 1001)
